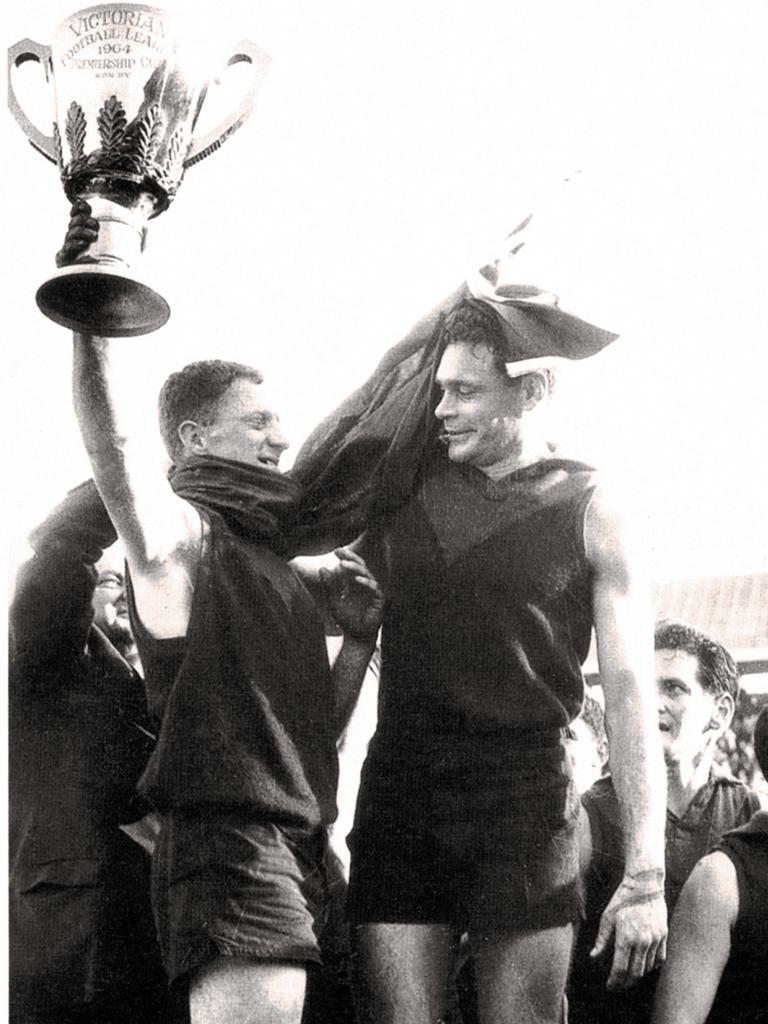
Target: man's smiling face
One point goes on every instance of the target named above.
(245, 427)
(480, 408)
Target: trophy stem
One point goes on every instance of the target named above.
(121, 229)
(100, 294)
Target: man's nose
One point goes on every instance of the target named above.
(277, 438)
(445, 407)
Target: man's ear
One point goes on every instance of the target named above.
(193, 438)
(534, 389)
(724, 709)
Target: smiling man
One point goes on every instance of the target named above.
(110, 606)
(482, 406)
(697, 685)
(497, 567)
(245, 768)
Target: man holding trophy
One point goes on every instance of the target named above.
(476, 651)
(244, 772)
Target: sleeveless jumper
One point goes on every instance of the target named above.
(244, 701)
(488, 622)
(742, 997)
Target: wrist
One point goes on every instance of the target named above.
(636, 862)
(644, 877)
(363, 641)
(649, 855)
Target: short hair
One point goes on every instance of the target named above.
(593, 716)
(472, 322)
(761, 740)
(717, 673)
(194, 392)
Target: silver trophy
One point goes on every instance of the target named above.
(129, 83)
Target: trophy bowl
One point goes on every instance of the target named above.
(129, 83)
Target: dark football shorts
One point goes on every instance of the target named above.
(225, 884)
(486, 845)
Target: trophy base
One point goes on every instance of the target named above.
(92, 298)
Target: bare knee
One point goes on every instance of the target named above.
(236, 990)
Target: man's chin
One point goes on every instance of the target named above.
(458, 452)
(119, 634)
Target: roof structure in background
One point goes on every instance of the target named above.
(731, 609)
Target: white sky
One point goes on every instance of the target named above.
(390, 144)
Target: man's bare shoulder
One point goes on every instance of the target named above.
(613, 527)
(711, 892)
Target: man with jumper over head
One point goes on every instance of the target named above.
(498, 557)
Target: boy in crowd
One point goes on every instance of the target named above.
(697, 684)
(716, 970)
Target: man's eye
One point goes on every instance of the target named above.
(465, 392)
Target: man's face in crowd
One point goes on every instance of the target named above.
(689, 715)
(110, 603)
(245, 427)
(480, 408)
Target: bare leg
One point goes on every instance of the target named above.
(402, 972)
(521, 978)
(233, 990)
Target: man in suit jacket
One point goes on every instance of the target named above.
(83, 944)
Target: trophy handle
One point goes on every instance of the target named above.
(24, 50)
(247, 52)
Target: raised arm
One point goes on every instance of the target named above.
(636, 914)
(160, 532)
(699, 942)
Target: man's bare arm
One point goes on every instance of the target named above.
(699, 943)
(348, 674)
(636, 914)
(161, 533)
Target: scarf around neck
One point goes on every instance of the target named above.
(257, 503)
